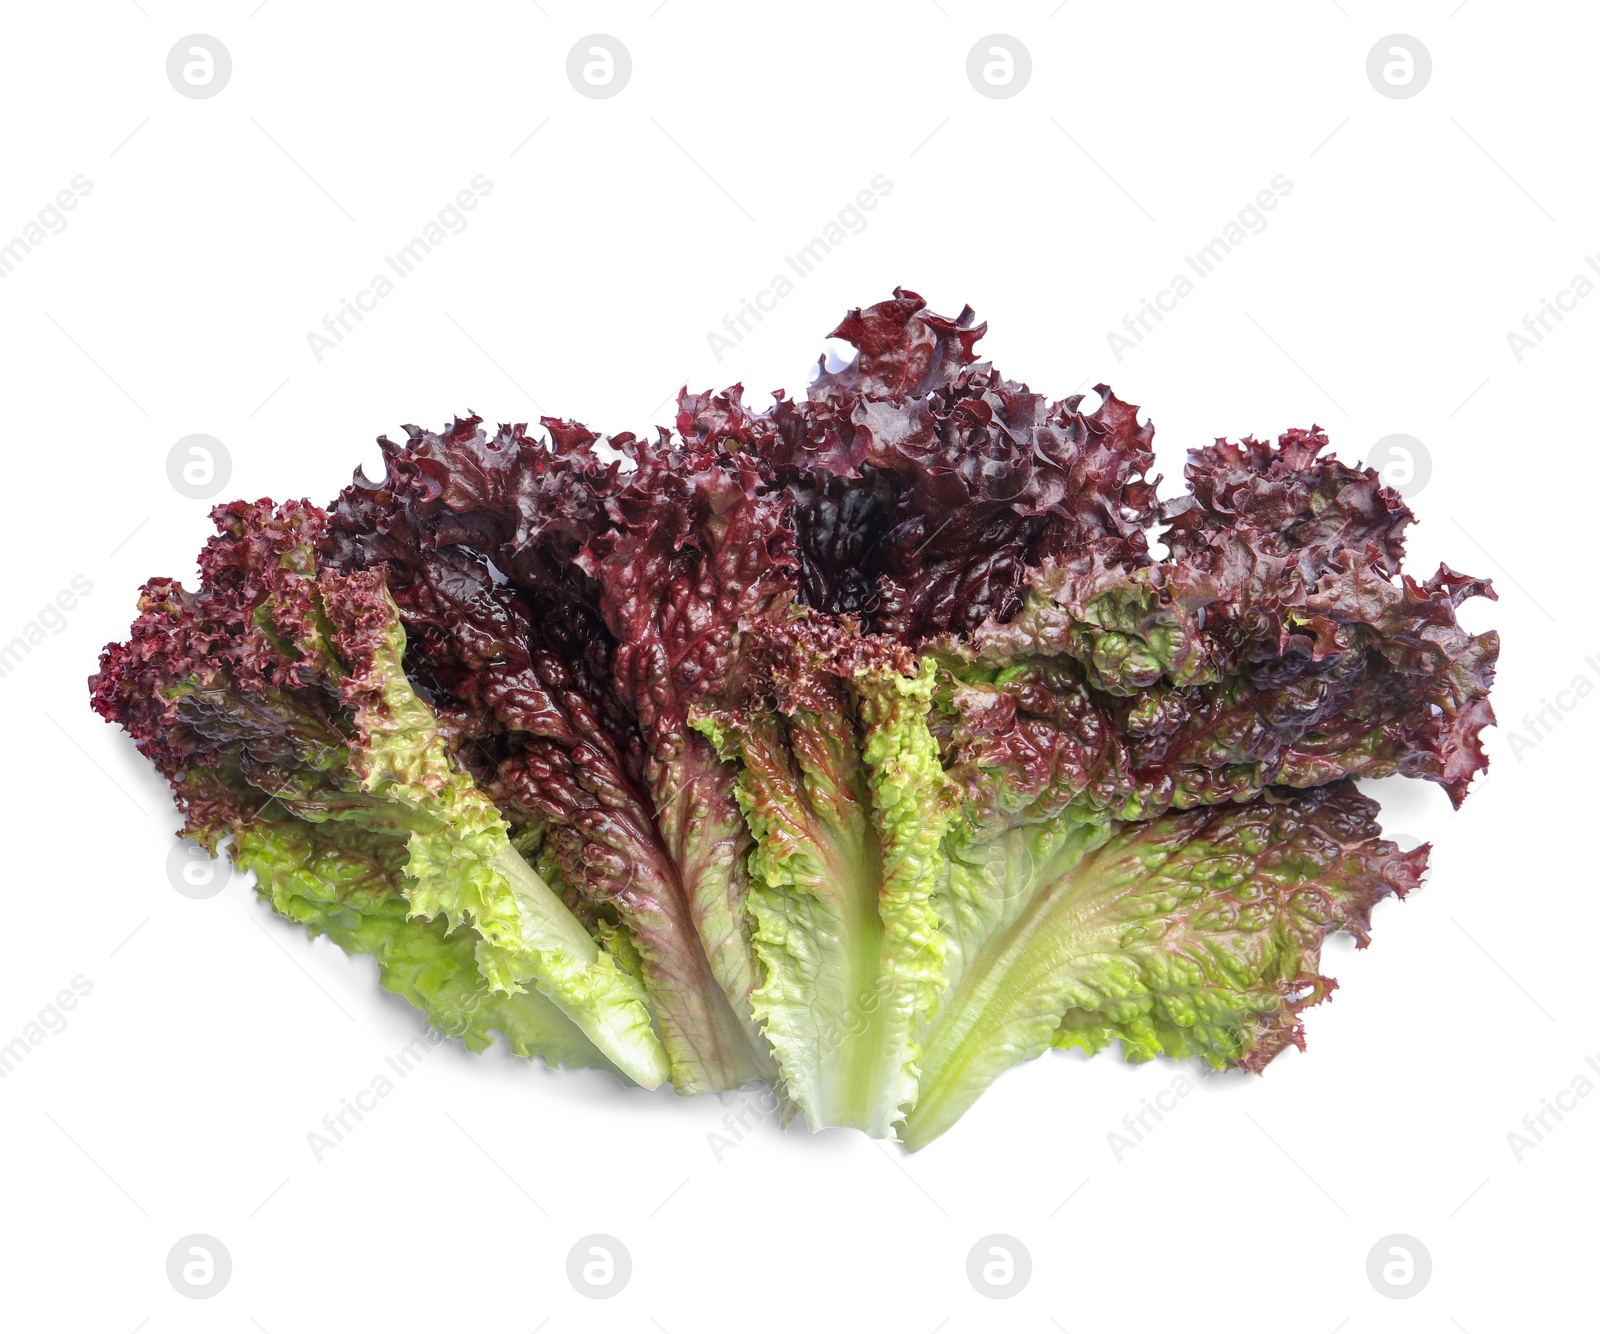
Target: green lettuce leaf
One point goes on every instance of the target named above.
(1196, 934)
(342, 882)
(843, 793)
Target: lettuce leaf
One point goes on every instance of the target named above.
(343, 882)
(841, 786)
(1195, 934)
(565, 687)
(277, 694)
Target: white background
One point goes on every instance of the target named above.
(178, 299)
